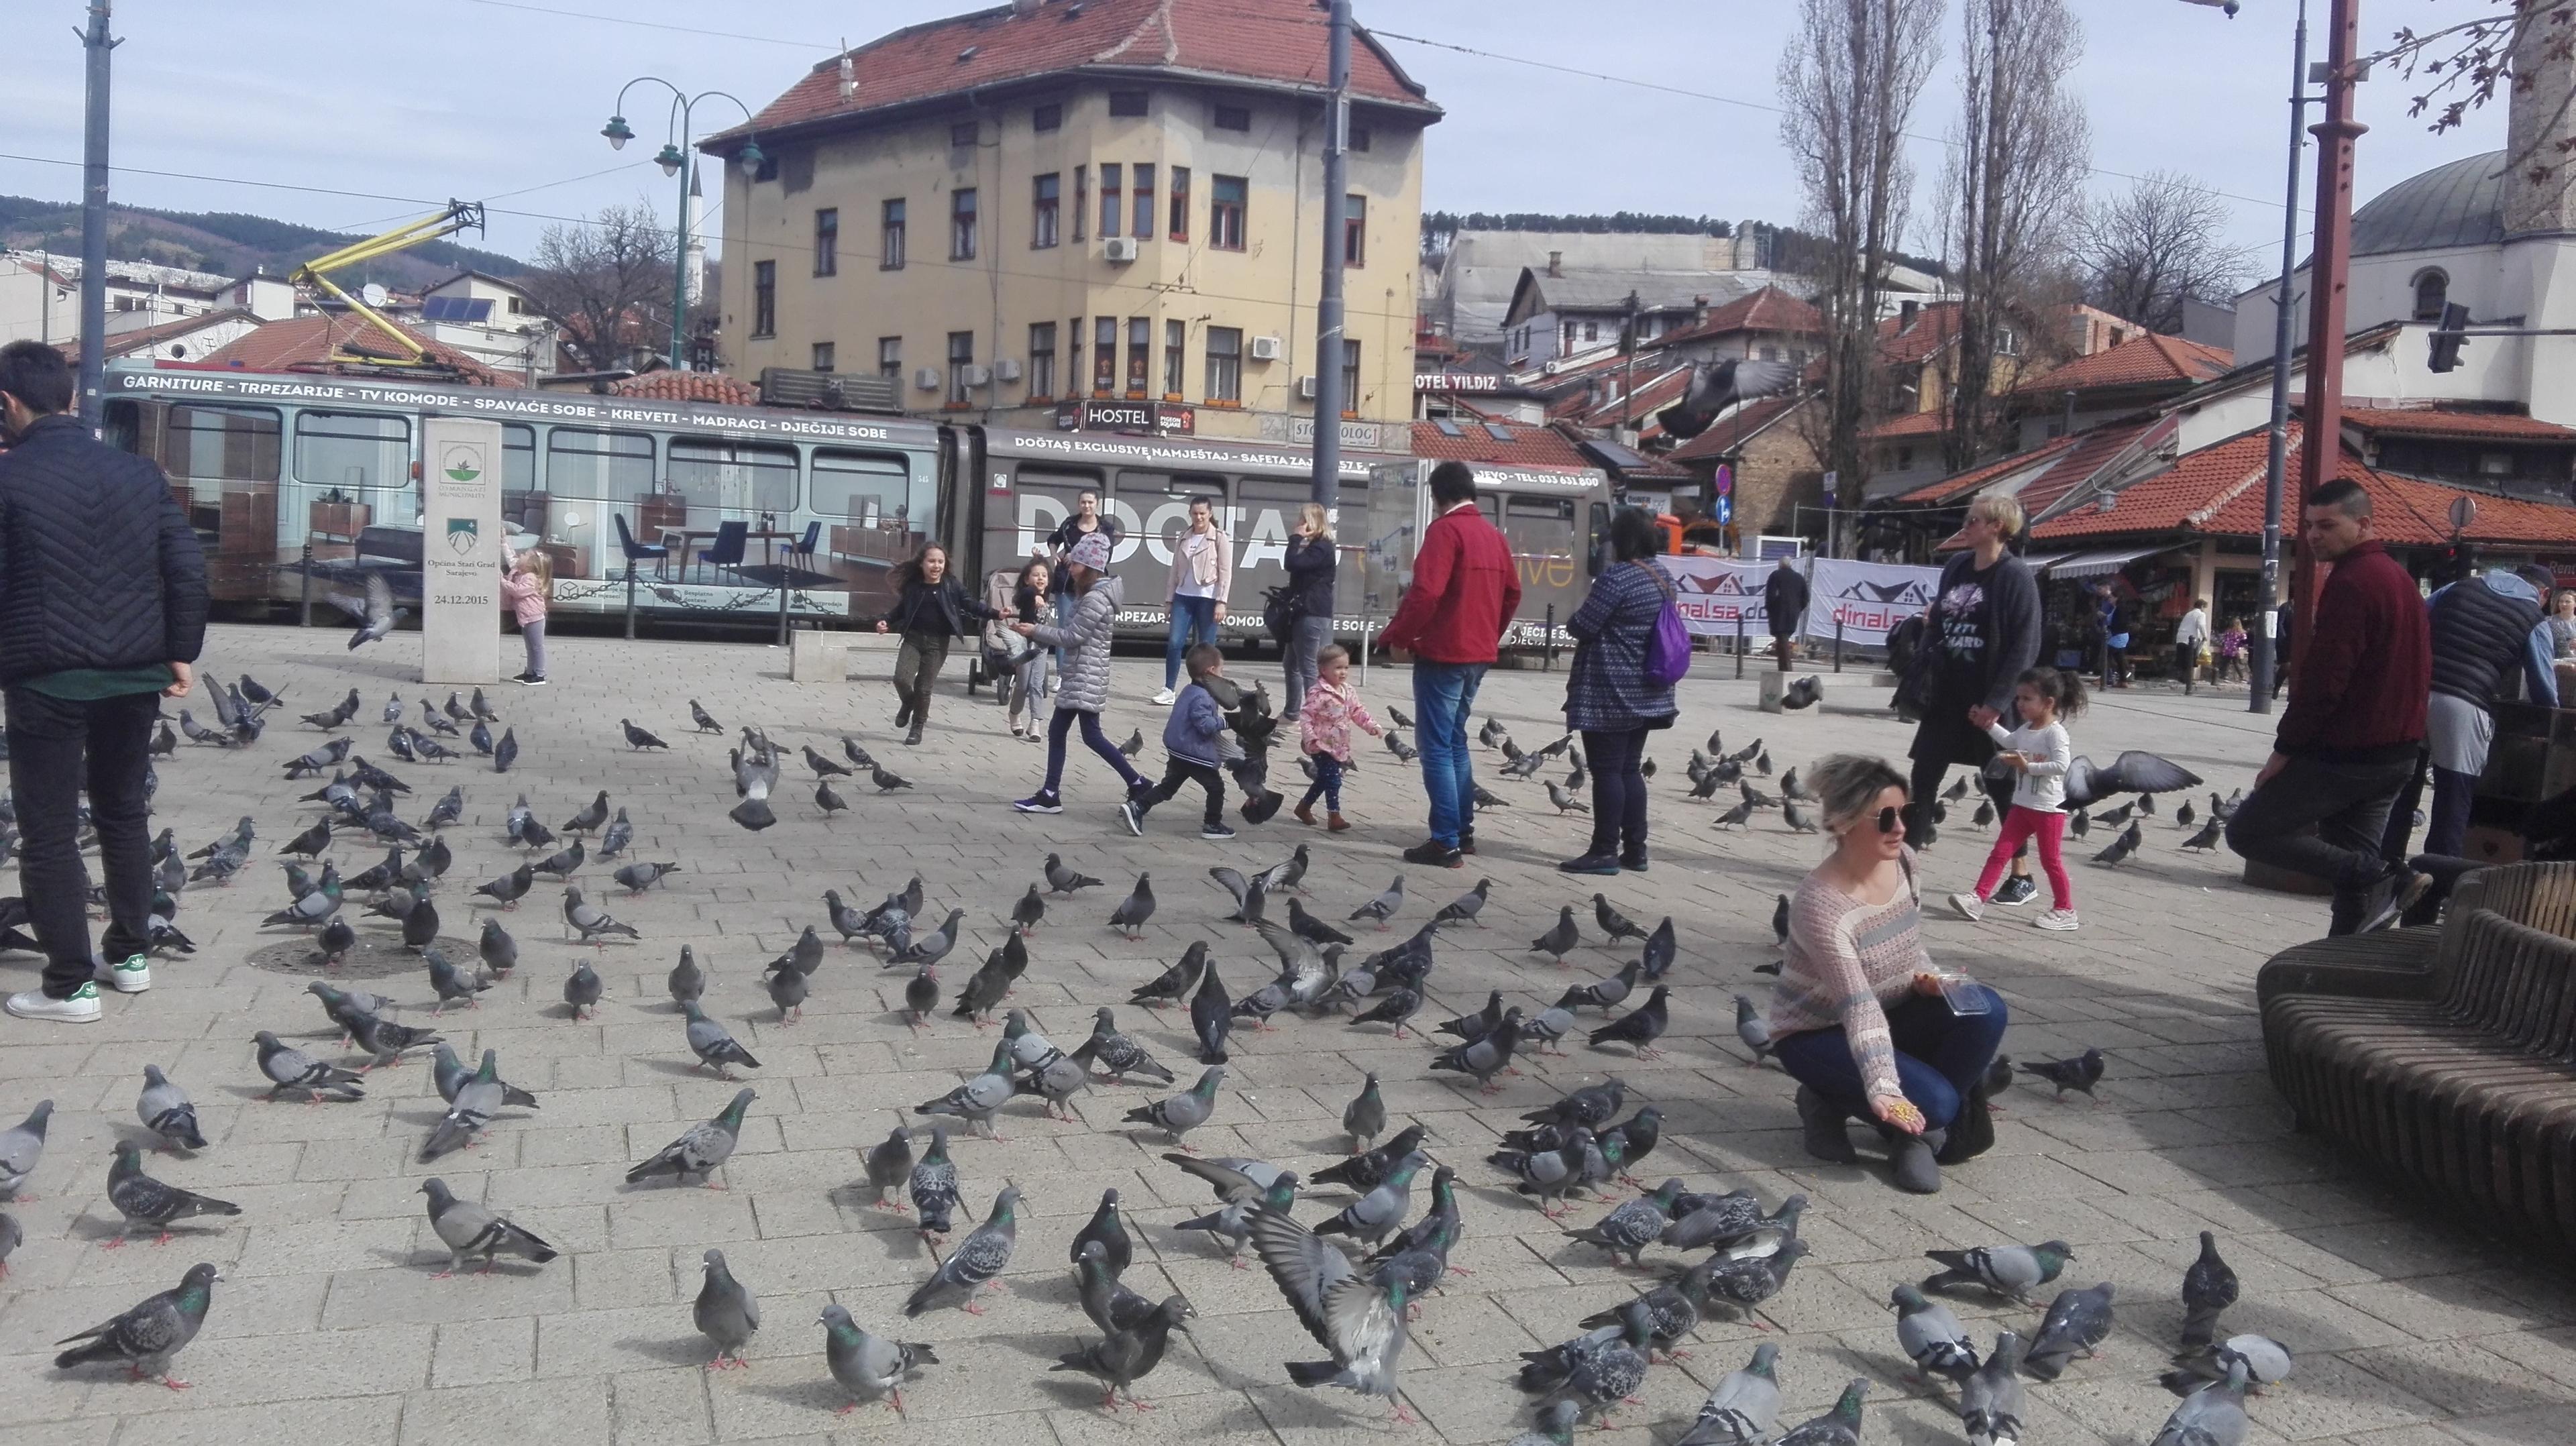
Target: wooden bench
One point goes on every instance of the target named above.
(2446, 1055)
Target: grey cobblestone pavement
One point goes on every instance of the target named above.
(328, 1326)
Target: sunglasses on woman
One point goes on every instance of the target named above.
(1888, 821)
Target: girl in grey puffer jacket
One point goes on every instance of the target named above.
(1084, 689)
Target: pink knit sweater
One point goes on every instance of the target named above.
(1846, 962)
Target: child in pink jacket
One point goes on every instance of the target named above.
(1324, 723)
(526, 578)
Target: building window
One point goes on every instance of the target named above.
(961, 359)
(1180, 203)
(966, 133)
(764, 298)
(890, 357)
(1355, 231)
(1041, 359)
(1234, 118)
(1359, 138)
(827, 241)
(890, 241)
(1225, 214)
(2007, 342)
(1904, 458)
(1073, 358)
(1104, 355)
(2432, 293)
(1225, 364)
(1081, 208)
(518, 306)
(1047, 118)
(1042, 222)
(822, 356)
(1770, 353)
(1350, 378)
(1111, 174)
(1175, 337)
(1126, 102)
(1143, 227)
(1140, 344)
(1591, 332)
(961, 224)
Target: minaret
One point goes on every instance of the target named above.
(697, 252)
(2537, 280)
(2540, 164)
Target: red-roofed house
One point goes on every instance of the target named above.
(2145, 371)
(307, 343)
(1058, 199)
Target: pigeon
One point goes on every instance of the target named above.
(1359, 1321)
(712, 1044)
(286, 1068)
(511, 887)
(1374, 1215)
(788, 990)
(1122, 1357)
(1179, 1114)
(1604, 1377)
(165, 1110)
(1114, 1054)
(1030, 911)
(505, 752)
(983, 991)
(2209, 835)
(1798, 819)
(564, 865)
(933, 1185)
(976, 1100)
(1465, 908)
(1249, 900)
(726, 1313)
(1211, 1017)
(1752, 1029)
(1747, 1282)
(1243, 1187)
(889, 1165)
(2265, 1361)
(1931, 1336)
(143, 1200)
(2079, 823)
(1565, 802)
(467, 1228)
(920, 996)
(934, 946)
(2209, 1287)
(701, 1149)
(582, 989)
(1399, 1005)
(822, 766)
(591, 816)
(635, 878)
(1556, 941)
(376, 613)
(451, 983)
(1063, 880)
(2080, 1073)
(870, 1368)
(704, 722)
(1307, 926)
(1132, 912)
(449, 808)
(591, 921)
(2214, 1416)
(887, 782)
(1487, 1056)
(1715, 1221)
(2115, 816)
(385, 1040)
(1640, 1027)
(1107, 1230)
(1476, 1026)
(976, 1263)
(637, 738)
(1633, 1226)
(1742, 1408)
(2013, 1271)
(1590, 1105)
(1617, 925)
(146, 1336)
(476, 1099)
(2077, 1320)
(1990, 1401)
(1383, 907)
(1603, 994)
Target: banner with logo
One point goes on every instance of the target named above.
(1711, 592)
(1870, 598)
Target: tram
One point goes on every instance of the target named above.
(292, 475)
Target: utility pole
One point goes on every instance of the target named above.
(1628, 369)
(2329, 285)
(1326, 485)
(2265, 648)
(93, 298)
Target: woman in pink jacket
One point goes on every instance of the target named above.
(526, 579)
(1202, 573)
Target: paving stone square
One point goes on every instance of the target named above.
(2411, 1325)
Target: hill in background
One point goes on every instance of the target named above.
(230, 244)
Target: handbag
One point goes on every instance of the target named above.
(1668, 647)
(1281, 612)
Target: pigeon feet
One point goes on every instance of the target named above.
(117, 1244)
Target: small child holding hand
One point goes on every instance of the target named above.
(1324, 723)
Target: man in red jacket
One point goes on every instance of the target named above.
(2350, 737)
(1465, 589)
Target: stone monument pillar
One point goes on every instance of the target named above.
(460, 562)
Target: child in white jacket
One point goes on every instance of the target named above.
(2039, 751)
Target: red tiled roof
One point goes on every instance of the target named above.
(305, 343)
(1529, 446)
(1912, 424)
(1275, 42)
(2093, 451)
(1931, 329)
(1653, 394)
(1980, 475)
(671, 386)
(1769, 309)
(1724, 435)
(2459, 426)
(2140, 362)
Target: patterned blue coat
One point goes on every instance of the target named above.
(1606, 690)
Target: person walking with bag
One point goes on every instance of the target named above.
(1984, 631)
(1465, 590)
(1784, 606)
(1202, 577)
(1614, 695)
(931, 608)
(1312, 562)
(1087, 519)
(1085, 688)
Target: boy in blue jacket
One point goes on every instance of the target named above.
(1191, 740)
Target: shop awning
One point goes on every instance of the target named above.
(2043, 561)
(2104, 560)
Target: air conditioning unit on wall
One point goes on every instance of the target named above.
(1267, 348)
(1006, 370)
(926, 378)
(1305, 389)
(975, 376)
(1118, 248)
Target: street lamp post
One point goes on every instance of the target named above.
(674, 161)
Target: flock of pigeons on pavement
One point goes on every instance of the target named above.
(1356, 1269)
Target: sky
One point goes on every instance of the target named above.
(503, 101)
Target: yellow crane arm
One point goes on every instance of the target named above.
(458, 216)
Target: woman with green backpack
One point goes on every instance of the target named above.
(1630, 648)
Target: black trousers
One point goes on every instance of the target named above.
(1181, 770)
(1618, 789)
(54, 744)
(1928, 773)
(2347, 802)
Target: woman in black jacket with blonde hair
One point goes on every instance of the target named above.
(931, 608)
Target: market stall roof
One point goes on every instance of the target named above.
(2102, 561)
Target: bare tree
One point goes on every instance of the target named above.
(607, 282)
(2019, 156)
(1848, 83)
(2464, 63)
(2165, 242)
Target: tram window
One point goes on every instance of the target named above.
(352, 449)
(1549, 509)
(733, 476)
(237, 444)
(599, 466)
(518, 457)
(863, 487)
(1596, 547)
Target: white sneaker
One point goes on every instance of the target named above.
(131, 977)
(1165, 698)
(81, 1008)
(2058, 919)
(1970, 907)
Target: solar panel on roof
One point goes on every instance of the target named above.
(1498, 431)
(1447, 427)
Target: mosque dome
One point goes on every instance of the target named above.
(2460, 203)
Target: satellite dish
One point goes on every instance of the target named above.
(372, 294)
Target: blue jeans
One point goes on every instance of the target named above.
(1193, 621)
(1061, 726)
(1939, 1057)
(1327, 785)
(1444, 694)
